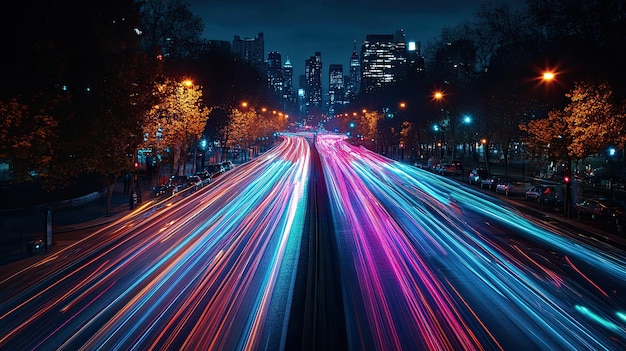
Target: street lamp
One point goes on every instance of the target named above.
(611, 152)
(438, 95)
(548, 76)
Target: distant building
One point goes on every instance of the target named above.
(288, 93)
(302, 96)
(251, 50)
(313, 100)
(275, 73)
(352, 82)
(335, 89)
(415, 59)
(383, 60)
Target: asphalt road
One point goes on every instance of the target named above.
(332, 247)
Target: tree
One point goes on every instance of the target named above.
(88, 99)
(26, 139)
(593, 120)
(546, 138)
(176, 123)
(241, 128)
(409, 137)
(587, 125)
(368, 124)
(170, 28)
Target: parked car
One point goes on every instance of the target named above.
(543, 194)
(196, 182)
(477, 175)
(205, 177)
(510, 188)
(451, 168)
(179, 183)
(215, 169)
(490, 182)
(161, 190)
(228, 165)
(598, 208)
(535, 192)
(446, 169)
(458, 167)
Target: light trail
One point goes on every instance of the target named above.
(432, 265)
(211, 272)
(424, 264)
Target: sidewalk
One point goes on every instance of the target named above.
(19, 228)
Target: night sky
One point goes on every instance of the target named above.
(297, 29)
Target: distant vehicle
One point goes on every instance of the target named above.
(510, 188)
(477, 175)
(599, 208)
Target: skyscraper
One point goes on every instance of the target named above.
(252, 50)
(335, 89)
(313, 94)
(288, 94)
(353, 81)
(383, 60)
(275, 72)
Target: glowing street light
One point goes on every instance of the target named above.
(548, 76)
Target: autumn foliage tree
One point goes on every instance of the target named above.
(248, 125)
(25, 139)
(176, 123)
(593, 119)
(241, 128)
(589, 123)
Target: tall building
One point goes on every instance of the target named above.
(275, 72)
(288, 94)
(313, 100)
(335, 89)
(383, 60)
(415, 59)
(251, 50)
(353, 80)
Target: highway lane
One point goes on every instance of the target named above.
(419, 261)
(428, 264)
(215, 271)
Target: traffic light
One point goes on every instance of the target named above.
(566, 180)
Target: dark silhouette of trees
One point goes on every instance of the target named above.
(80, 65)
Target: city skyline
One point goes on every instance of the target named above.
(297, 32)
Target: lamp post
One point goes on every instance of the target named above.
(611, 153)
(439, 140)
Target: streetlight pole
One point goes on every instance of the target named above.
(611, 153)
